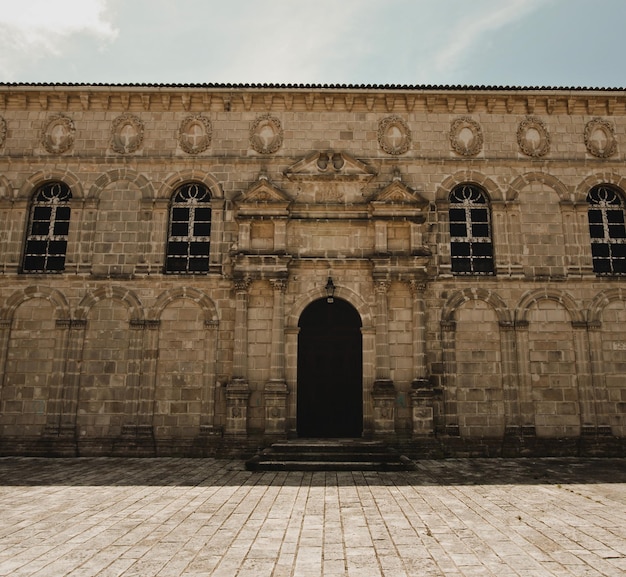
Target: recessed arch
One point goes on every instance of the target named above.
(602, 300)
(177, 179)
(561, 297)
(192, 294)
(125, 174)
(493, 191)
(56, 298)
(459, 298)
(330, 370)
(129, 298)
(40, 177)
(529, 178)
(583, 188)
(340, 292)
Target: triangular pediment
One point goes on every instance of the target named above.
(263, 191)
(263, 198)
(330, 165)
(399, 193)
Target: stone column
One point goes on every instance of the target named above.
(276, 387)
(383, 392)
(512, 420)
(526, 404)
(422, 392)
(69, 405)
(598, 378)
(586, 401)
(207, 418)
(448, 331)
(145, 405)
(238, 390)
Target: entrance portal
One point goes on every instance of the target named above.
(330, 371)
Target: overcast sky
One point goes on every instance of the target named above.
(572, 43)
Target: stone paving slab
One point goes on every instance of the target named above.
(204, 517)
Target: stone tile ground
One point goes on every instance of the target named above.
(199, 518)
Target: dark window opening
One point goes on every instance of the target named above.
(189, 232)
(48, 229)
(471, 248)
(607, 230)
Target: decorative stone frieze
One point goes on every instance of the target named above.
(600, 138)
(58, 134)
(394, 135)
(3, 130)
(127, 133)
(533, 137)
(194, 135)
(466, 136)
(266, 134)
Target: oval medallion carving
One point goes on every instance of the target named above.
(266, 134)
(58, 134)
(466, 136)
(600, 138)
(394, 135)
(126, 134)
(195, 133)
(533, 137)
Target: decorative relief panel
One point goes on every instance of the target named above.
(466, 136)
(600, 138)
(195, 133)
(266, 134)
(126, 134)
(394, 136)
(58, 134)
(3, 130)
(533, 137)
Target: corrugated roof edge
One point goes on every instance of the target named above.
(308, 86)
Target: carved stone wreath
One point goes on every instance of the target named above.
(394, 136)
(58, 134)
(126, 134)
(466, 136)
(195, 133)
(533, 137)
(600, 138)
(3, 130)
(266, 134)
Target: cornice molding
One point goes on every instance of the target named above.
(62, 98)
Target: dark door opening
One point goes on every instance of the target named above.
(330, 371)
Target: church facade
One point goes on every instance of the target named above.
(204, 269)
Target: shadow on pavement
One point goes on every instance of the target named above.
(183, 472)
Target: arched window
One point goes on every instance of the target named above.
(48, 228)
(607, 230)
(471, 248)
(189, 232)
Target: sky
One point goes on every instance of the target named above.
(560, 43)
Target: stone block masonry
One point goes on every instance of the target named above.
(160, 247)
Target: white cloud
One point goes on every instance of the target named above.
(33, 29)
(472, 31)
(287, 41)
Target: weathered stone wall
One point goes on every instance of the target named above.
(113, 356)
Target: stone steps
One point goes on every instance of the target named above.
(329, 455)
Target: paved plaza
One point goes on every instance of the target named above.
(204, 517)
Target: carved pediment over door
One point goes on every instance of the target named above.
(330, 177)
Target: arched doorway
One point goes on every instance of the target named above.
(330, 370)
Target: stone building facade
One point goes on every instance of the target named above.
(203, 269)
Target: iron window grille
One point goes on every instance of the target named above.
(189, 232)
(471, 247)
(48, 229)
(607, 230)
